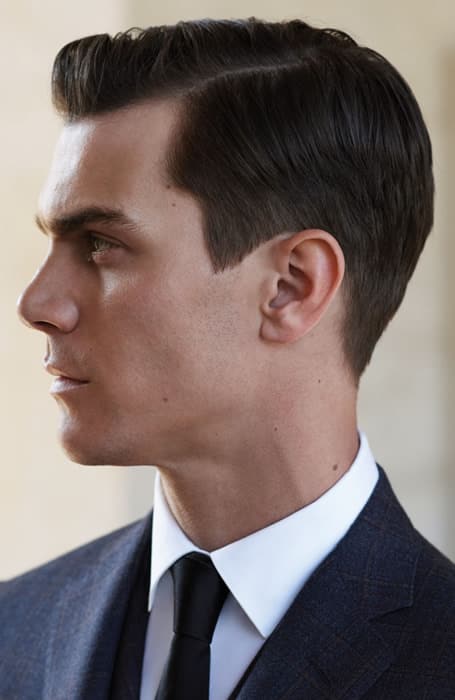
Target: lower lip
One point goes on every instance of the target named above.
(63, 384)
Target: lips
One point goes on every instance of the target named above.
(65, 381)
(61, 385)
(63, 374)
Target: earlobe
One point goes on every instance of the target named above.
(279, 330)
(312, 267)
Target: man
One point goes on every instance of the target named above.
(234, 210)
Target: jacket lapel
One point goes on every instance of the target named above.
(89, 614)
(127, 669)
(331, 643)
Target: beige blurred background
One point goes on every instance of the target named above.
(49, 505)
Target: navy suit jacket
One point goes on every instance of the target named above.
(376, 620)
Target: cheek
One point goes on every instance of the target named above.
(147, 336)
(171, 341)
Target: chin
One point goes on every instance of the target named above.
(110, 441)
(82, 449)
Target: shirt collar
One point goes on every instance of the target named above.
(278, 559)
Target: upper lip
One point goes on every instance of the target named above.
(57, 372)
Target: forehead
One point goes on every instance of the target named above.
(114, 157)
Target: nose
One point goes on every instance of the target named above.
(47, 303)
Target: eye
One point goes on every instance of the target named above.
(98, 246)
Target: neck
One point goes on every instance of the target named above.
(267, 471)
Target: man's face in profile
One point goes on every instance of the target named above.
(129, 302)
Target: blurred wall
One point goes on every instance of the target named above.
(49, 505)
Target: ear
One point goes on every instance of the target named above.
(308, 268)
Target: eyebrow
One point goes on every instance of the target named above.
(81, 218)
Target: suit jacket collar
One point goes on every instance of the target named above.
(331, 643)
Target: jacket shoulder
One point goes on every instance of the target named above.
(72, 563)
(31, 604)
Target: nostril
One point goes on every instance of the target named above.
(43, 326)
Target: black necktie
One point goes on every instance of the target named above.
(199, 594)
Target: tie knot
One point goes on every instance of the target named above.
(199, 594)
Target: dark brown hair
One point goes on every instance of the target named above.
(285, 127)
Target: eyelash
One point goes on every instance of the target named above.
(93, 240)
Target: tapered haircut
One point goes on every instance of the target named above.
(284, 127)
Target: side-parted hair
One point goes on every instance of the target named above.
(284, 127)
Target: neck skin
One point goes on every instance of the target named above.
(266, 465)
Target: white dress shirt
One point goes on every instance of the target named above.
(263, 572)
